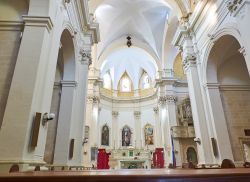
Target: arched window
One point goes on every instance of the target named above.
(145, 81)
(125, 83)
(126, 136)
(149, 134)
(105, 136)
(107, 81)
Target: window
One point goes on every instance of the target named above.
(125, 83)
(145, 81)
(107, 82)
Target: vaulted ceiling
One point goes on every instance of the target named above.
(148, 22)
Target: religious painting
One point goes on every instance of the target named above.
(149, 135)
(105, 136)
(126, 136)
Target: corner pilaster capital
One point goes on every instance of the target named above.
(171, 98)
(115, 114)
(234, 5)
(85, 57)
(38, 21)
(156, 110)
(137, 114)
(189, 60)
(93, 99)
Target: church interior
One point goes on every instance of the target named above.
(148, 89)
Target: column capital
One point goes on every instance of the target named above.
(38, 21)
(156, 110)
(233, 5)
(85, 57)
(93, 99)
(171, 98)
(115, 114)
(162, 100)
(137, 114)
(189, 60)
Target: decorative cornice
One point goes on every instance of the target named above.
(38, 21)
(86, 21)
(67, 83)
(85, 57)
(162, 100)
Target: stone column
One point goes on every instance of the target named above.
(138, 129)
(80, 105)
(23, 99)
(158, 140)
(63, 137)
(115, 130)
(200, 125)
(163, 119)
(172, 121)
(219, 123)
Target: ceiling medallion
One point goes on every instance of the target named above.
(129, 42)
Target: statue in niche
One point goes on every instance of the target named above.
(149, 135)
(126, 136)
(105, 135)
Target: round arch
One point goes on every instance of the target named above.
(226, 30)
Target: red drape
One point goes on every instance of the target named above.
(103, 159)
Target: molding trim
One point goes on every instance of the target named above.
(38, 21)
(66, 83)
(234, 87)
(11, 25)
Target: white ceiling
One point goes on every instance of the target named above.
(132, 60)
(144, 20)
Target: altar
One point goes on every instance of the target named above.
(130, 158)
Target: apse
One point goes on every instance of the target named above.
(134, 61)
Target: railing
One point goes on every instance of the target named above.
(183, 132)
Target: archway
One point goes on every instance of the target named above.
(61, 103)
(229, 96)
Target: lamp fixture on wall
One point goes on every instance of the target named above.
(129, 42)
(47, 117)
(197, 140)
